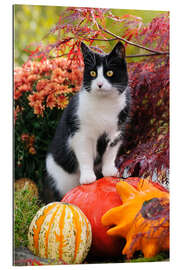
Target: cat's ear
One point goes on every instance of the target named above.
(118, 51)
(85, 49)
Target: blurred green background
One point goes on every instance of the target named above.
(31, 24)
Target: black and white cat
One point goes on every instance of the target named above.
(90, 131)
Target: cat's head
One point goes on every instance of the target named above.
(105, 74)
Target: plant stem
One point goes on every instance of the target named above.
(130, 42)
(148, 54)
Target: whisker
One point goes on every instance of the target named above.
(88, 88)
(120, 87)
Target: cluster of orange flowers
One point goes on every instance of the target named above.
(29, 142)
(47, 83)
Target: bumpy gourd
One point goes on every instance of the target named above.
(95, 200)
(60, 231)
(143, 218)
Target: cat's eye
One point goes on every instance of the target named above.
(93, 73)
(109, 73)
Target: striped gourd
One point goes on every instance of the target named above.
(60, 231)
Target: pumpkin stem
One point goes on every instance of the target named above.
(126, 191)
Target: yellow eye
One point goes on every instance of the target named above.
(109, 73)
(93, 73)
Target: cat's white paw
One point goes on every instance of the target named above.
(110, 171)
(87, 177)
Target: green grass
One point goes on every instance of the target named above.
(137, 258)
(163, 256)
(25, 207)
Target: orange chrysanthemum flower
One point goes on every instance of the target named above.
(17, 94)
(64, 89)
(25, 87)
(16, 111)
(31, 139)
(39, 108)
(62, 102)
(52, 87)
(64, 78)
(51, 101)
(58, 75)
(32, 150)
(33, 77)
(34, 98)
(24, 137)
(41, 84)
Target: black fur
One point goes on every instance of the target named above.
(114, 61)
(68, 126)
(49, 192)
(124, 114)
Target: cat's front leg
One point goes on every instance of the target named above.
(108, 161)
(84, 151)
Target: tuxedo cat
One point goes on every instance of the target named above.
(90, 131)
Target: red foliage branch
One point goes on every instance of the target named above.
(155, 52)
(89, 24)
(147, 141)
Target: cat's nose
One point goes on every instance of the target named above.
(100, 85)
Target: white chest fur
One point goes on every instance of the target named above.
(99, 113)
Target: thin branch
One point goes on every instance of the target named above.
(62, 55)
(148, 54)
(127, 56)
(130, 56)
(130, 42)
(100, 39)
(154, 52)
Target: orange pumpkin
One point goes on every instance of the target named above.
(143, 218)
(60, 231)
(95, 200)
